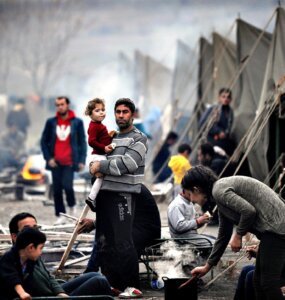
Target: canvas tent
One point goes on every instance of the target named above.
(274, 71)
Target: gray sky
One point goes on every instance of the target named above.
(153, 26)
(150, 26)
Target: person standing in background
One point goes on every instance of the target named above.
(19, 117)
(63, 144)
(160, 169)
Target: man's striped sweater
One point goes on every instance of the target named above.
(124, 168)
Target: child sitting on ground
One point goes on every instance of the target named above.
(17, 265)
(100, 140)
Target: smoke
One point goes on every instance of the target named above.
(109, 83)
(171, 258)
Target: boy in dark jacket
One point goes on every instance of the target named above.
(17, 267)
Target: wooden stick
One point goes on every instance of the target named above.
(54, 237)
(73, 238)
(188, 282)
(227, 269)
(76, 260)
(68, 216)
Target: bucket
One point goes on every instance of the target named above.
(171, 291)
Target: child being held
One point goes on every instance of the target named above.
(100, 140)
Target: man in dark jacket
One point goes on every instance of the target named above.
(63, 145)
(218, 120)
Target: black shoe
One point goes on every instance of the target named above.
(90, 203)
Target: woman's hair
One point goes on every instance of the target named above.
(200, 177)
(92, 104)
(29, 236)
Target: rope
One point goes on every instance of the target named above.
(192, 119)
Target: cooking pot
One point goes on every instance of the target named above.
(171, 291)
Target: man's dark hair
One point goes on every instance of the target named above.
(127, 102)
(199, 177)
(225, 90)
(29, 236)
(64, 97)
(184, 147)
(172, 135)
(207, 148)
(13, 225)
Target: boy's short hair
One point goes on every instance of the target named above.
(127, 102)
(184, 147)
(29, 236)
(13, 224)
(92, 104)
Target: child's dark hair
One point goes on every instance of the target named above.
(127, 102)
(29, 236)
(184, 147)
(13, 225)
(199, 177)
(92, 104)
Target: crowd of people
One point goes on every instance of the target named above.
(127, 217)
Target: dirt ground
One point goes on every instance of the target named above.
(222, 288)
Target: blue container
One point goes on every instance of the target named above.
(157, 284)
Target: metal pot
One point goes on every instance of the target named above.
(171, 291)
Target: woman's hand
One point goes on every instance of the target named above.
(201, 271)
(236, 242)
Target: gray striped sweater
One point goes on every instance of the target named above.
(250, 205)
(124, 167)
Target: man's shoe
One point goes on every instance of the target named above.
(131, 293)
(90, 203)
(60, 220)
(72, 210)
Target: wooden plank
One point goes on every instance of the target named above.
(73, 238)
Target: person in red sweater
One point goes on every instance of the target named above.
(63, 144)
(100, 140)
